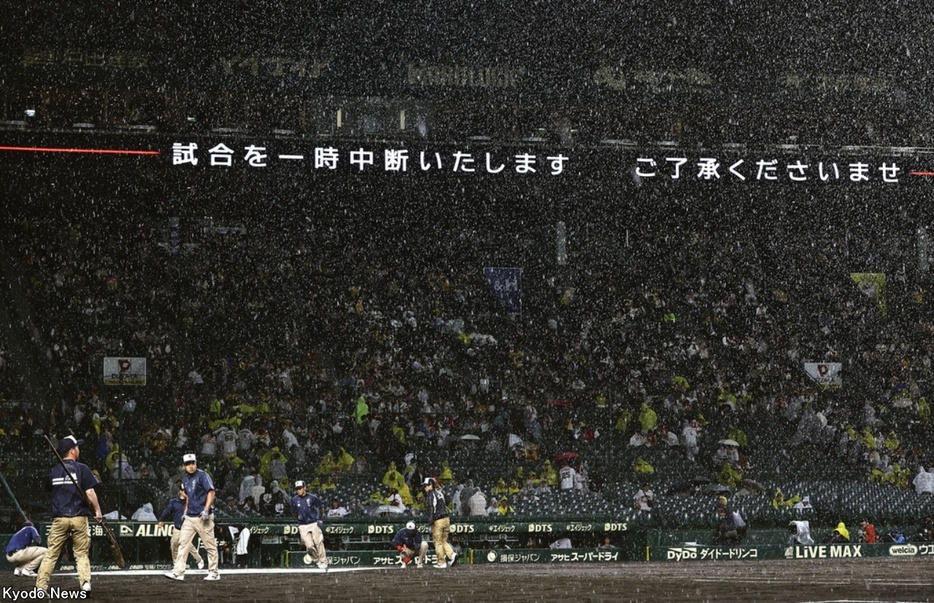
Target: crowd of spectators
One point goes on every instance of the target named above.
(279, 351)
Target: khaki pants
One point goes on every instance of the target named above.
(192, 549)
(313, 540)
(28, 558)
(205, 530)
(62, 529)
(439, 533)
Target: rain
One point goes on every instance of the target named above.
(644, 287)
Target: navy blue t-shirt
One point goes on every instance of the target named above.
(306, 508)
(176, 510)
(66, 500)
(26, 537)
(409, 538)
(197, 487)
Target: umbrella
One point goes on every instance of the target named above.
(567, 456)
(470, 436)
(716, 489)
(729, 443)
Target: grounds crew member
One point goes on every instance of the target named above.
(308, 510)
(70, 513)
(176, 510)
(25, 551)
(199, 519)
(440, 521)
(410, 544)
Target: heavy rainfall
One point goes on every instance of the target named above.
(645, 289)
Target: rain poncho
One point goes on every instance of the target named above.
(549, 475)
(842, 531)
(801, 533)
(345, 461)
(361, 411)
(647, 418)
(266, 462)
(144, 513)
(643, 466)
(327, 464)
(729, 475)
(924, 482)
(447, 476)
(737, 434)
(622, 423)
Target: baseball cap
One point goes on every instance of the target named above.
(299, 484)
(428, 482)
(67, 443)
(189, 458)
(410, 525)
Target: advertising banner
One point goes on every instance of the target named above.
(124, 371)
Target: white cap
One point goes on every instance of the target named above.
(189, 458)
(299, 484)
(410, 525)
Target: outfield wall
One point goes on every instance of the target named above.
(145, 545)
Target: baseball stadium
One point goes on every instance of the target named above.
(635, 298)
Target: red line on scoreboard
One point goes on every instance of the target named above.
(921, 173)
(85, 151)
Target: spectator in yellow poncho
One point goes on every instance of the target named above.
(891, 442)
(549, 475)
(447, 476)
(111, 458)
(361, 411)
(647, 418)
(266, 460)
(730, 475)
(327, 465)
(779, 501)
(622, 422)
(840, 534)
(392, 475)
(726, 397)
(393, 479)
(399, 432)
(500, 488)
(504, 508)
(924, 409)
(642, 466)
(344, 461)
(737, 434)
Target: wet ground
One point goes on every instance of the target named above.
(807, 580)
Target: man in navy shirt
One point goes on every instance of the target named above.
(308, 508)
(440, 521)
(176, 510)
(409, 543)
(70, 513)
(25, 551)
(199, 519)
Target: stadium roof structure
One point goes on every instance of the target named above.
(630, 74)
